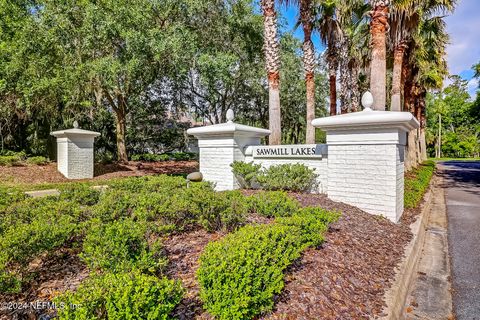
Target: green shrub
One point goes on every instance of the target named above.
(273, 204)
(416, 183)
(161, 183)
(28, 231)
(240, 274)
(10, 161)
(113, 205)
(82, 194)
(121, 296)
(183, 156)
(246, 173)
(312, 222)
(9, 196)
(290, 177)
(226, 210)
(39, 160)
(120, 246)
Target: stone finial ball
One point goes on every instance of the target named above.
(75, 124)
(230, 115)
(367, 100)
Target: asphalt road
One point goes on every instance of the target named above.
(462, 186)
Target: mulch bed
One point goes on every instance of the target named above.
(344, 279)
(49, 174)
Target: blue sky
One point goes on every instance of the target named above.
(464, 29)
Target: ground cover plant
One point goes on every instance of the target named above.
(288, 177)
(11, 158)
(416, 183)
(118, 232)
(240, 274)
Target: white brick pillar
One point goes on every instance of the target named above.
(366, 158)
(75, 157)
(222, 144)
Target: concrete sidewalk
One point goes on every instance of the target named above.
(430, 294)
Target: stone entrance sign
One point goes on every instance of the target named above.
(304, 151)
(75, 152)
(362, 163)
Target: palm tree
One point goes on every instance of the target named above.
(353, 56)
(306, 19)
(272, 64)
(424, 68)
(331, 35)
(378, 69)
(404, 19)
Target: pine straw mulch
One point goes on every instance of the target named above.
(344, 279)
(33, 174)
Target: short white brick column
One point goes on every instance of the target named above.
(366, 158)
(75, 152)
(222, 144)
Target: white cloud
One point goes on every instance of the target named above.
(473, 87)
(463, 27)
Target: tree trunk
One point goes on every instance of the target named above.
(308, 66)
(344, 76)
(396, 104)
(378, 68)
(272, 64)
(332, 71)
(310, 84)
(121, 128)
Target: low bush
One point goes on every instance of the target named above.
(28, 231)
(82, 194)
(121, 246)
(216, 211)
(38, 161)
(161, 183)
(416, 183)
(9, 196)
(240, 274)
(121, 296)
(10, 160)
(246, 173)
(175, 156)
(273, 204)
(290, 177)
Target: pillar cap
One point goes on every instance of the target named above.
(229, 128)
(74, 132)
(368, 119)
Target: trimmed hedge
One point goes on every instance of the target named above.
(288, 177)
(416, 183)
(273, 204)
(240, 274)
(121, 296)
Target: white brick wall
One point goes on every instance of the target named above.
(367, 176)
(75, 158)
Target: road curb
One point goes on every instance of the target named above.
(396, 296)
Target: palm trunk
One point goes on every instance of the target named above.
(274, 116)
(309, 67)
(396, 104)
(272, 64)
(378, 71)
(310, 84)
(332, 71)
(344, 77)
